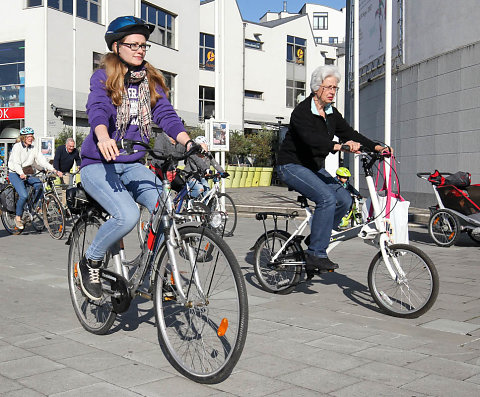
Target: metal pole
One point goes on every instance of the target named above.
(356, 87)
(74, 78)
(388, 71)
(45, 69)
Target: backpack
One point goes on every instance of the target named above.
(460, 179)
(8, 198)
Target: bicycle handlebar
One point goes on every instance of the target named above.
(128, 146)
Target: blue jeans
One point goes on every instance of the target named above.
(19, 185)
(331, 199)
(116, 187)
(198, 187)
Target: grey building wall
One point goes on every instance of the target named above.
(435, 96)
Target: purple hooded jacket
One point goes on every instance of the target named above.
(101, 110)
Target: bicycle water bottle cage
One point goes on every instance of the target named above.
(303, 201)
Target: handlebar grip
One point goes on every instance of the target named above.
(345, 147)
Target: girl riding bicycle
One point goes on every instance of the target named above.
(126, 95)
(21, 162)
(313, 124)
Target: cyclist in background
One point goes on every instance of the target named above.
(127, 94)
(23, 161)
(200, 164)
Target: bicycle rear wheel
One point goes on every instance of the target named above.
(204, 337)
(53, 216)
(279, 276)
(8, 220)
(96, 317)
(142, 225)
(230, 222)
(409, 296)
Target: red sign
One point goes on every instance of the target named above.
(12, 113)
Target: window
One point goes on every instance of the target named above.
(34, 3)
(329, 61)
(253, 94)
(62, 5)
(12, 74)
(206, 103)
(97, 58)
(207, 51)
(318, 40)
(257, 45)
(320, 20)
(333, 40)
(165, 25)
(89, 9)
(170, 83)
(296, 50)
(295, 92)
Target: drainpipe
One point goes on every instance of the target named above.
(243, 78)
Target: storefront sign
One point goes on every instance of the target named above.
(12, 113)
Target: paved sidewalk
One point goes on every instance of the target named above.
(327, 338)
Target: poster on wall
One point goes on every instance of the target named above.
(218, 136)
(47, 145)
(372, 29)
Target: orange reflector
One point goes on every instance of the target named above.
(60, 228)
(206, 249)
(436, 221)
(451, 235)
(223, 327)
(75, 270)
(171, 279)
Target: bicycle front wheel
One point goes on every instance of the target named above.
(407, 296)
(203, 337)
(230, 221)
(53, 216)
(282, 275)
(96, 317)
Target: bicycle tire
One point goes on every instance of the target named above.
(8, 220)
(410, 298)
(142, 224)
(37, 217)
(444, 228)
(53, 216)
(277, 278)
(96, 317)
(231, 215)
(194, 339)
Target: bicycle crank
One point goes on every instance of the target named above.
(119, 290)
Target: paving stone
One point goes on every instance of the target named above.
(446, 325)
(131, 375)
(23, 392)
(385, 373)
(246, 383)
(271, 366)
(175, 386)
(7, 385)
(8, 352)
(434, 385)
(27, 366)
(341, 344)
(319, 379)
(368, 389)
(58, 381)
(102, 389)
(63, 350)
(447, 368)
(92, 362)
(298, 392)
(390, 355)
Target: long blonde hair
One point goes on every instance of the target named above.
(116, 70)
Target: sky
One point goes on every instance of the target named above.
(253, 10)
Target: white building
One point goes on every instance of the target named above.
(46, 54)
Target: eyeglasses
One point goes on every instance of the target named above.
(135, 46)
(330, 88)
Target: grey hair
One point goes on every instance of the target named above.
(321, 73)
(69, 140)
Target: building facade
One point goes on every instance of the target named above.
(435, 94)
(50, 54)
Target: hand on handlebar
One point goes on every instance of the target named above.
(108, 148)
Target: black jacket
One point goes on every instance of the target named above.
(310, 137)
(63, 160)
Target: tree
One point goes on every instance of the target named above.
(67, 132)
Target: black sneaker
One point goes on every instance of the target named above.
(89, 273)
(315, 265)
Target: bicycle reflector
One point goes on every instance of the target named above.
(222, 328)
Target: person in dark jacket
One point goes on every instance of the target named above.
(301, 162)
(65, 155)
(127, 94)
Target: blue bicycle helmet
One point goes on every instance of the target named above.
(27, 131)
(123, 26)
